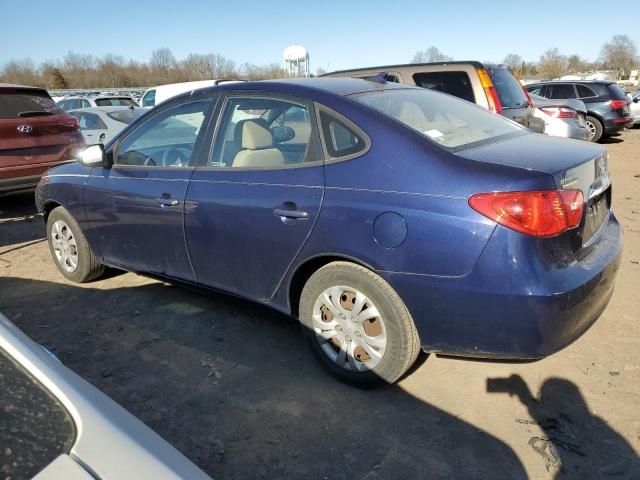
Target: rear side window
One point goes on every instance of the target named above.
(340, 139)
(115, 102)
(585, 92)
(562, 91)
(149, 99)
(508, 88)
(27, 104)
(90, 121)
(457, 84)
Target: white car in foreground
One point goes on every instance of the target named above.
(54, 425)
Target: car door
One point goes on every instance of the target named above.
(250, 208)
(135, 209)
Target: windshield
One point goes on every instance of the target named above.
(445, 120)
(125, 116)
(509, 89)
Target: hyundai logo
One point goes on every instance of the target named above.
(25, 128)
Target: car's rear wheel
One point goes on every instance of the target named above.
(70, 249)
(358, 325)
(594, 129)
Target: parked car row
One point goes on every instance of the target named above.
(607, 104)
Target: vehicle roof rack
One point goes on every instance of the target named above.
(379, 78)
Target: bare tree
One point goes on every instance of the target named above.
(620, 54)
(575, 63)
(513, 61)
(206, 67)
(552, 64)
(79, 69)
(431, 54)
(22, 72)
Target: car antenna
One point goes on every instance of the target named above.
(379, 78)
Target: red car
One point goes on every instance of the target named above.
(35, 135)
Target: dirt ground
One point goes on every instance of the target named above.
(232, 385)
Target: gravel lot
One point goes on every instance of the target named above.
(233, 387)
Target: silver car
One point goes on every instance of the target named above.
(562, 118)
(55, 425)
(634, 108)
(101, 124)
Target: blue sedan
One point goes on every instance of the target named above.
(387, 218)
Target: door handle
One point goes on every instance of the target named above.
(167, 202)
(292, 214)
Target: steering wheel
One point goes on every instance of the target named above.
(176, 156)
(149, 162)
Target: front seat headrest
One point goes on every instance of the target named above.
(255, 136)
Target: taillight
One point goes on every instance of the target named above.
(560, 112)
(541, 213)
(617, 104)
(489, 90)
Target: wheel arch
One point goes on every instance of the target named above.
(48, 207)
(304, 270)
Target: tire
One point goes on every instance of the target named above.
(594, 128)
(69, 248)
(381, 347)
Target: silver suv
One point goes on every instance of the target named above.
(495, 87)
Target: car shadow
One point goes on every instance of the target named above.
(576, 443)
(232, 385)
(19, 221)
(611, 140)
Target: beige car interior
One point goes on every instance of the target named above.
(257, 148)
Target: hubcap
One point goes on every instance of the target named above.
(349, 328)
(591, 129)
(64, 246)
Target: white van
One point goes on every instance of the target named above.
(156, 95)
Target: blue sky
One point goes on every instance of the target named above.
(338, 34)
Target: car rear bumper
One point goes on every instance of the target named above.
(617, 125)
(17, 185)
(520, 302)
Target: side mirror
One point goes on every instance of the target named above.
(636, 100)
(93, 156)
(282, 134)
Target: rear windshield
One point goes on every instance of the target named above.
(115, 102)
(509, 89)
(616, 92)
(448, 122)
(457, 84)
(125, 116)
(27, 104)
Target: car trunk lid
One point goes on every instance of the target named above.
(574, 165)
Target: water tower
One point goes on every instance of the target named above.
(296, 61)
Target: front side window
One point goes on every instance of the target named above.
(257, 132)
(457, 84)
(166, 139)
(448, 122)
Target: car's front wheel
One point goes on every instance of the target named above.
(358, 325)
(70, 249)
